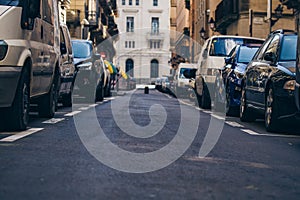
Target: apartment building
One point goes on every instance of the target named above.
(143, 49)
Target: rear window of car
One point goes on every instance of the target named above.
(288, 48)
(82, 49)
(246, 54)
(223, 46)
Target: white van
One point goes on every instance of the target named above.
(211, 58)
(29, 59)
(181, 82)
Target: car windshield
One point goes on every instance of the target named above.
(246, 54)
(82, 49)
(10, 2)
(223, 46)
(184, 70)
(288, 48)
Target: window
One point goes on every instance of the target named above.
(130, 24)
(123, 2)
(130, 2)
(272, 48)
(47, 11)
(137, 2)
(129, 67)
(154, 44)
(154, 69)
(129, 44)
(288, 48)
(155, 25)
(155, 2)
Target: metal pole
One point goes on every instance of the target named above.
(269, 15)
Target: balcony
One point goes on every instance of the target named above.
(295, 4)
(155, 35)
(227, 12)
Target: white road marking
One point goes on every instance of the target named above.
(19, 135)
(218, 117)
(53, 121)
(71, 114)
(207, 111)
(250, 132)
(84, 108)
(234, 124)
(93, 105)
(111, 98)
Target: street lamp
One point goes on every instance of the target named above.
(212, 24)
(202, 33)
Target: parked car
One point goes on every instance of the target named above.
(90, 77)
(229, 78)
(269, 83)
(158, 84)
(211, 58)
(181, 82)
(297, 90)
(29, 60)
(67, 67)
(165, 84)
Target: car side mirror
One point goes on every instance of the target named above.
(30, 10)
(227, 60)
(270, 56)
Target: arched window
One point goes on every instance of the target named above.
(129, 67)
(154, 68)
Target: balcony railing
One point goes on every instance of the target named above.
(155, 35)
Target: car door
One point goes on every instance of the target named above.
(35, 39)
(47, 31)
(264, 68)
(255, 75)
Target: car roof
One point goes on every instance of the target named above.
(236, 36)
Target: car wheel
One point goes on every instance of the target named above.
(18, 115)
(271, 111)
(100, 92)
(245, 114)
(218, 106)
(205, 98)
(48, 103)
(67, 100)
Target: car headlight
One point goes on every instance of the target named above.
(3, 49)
(85, 66)
(290, 85)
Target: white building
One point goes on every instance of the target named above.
(143, 49)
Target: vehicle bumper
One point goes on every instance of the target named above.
(9, 78)
(287, 105)
(297, 96)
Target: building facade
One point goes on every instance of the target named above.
(94, 20)
(143, 49)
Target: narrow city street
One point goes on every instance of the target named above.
(50, 160)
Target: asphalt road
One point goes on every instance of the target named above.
(50, 160)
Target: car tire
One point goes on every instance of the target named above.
(67, 100)
(17, 117)
(245, 114)
(271, 111)
(100, 92)
(48, 103)
(205, 98)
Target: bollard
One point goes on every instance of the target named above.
(146, 91)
